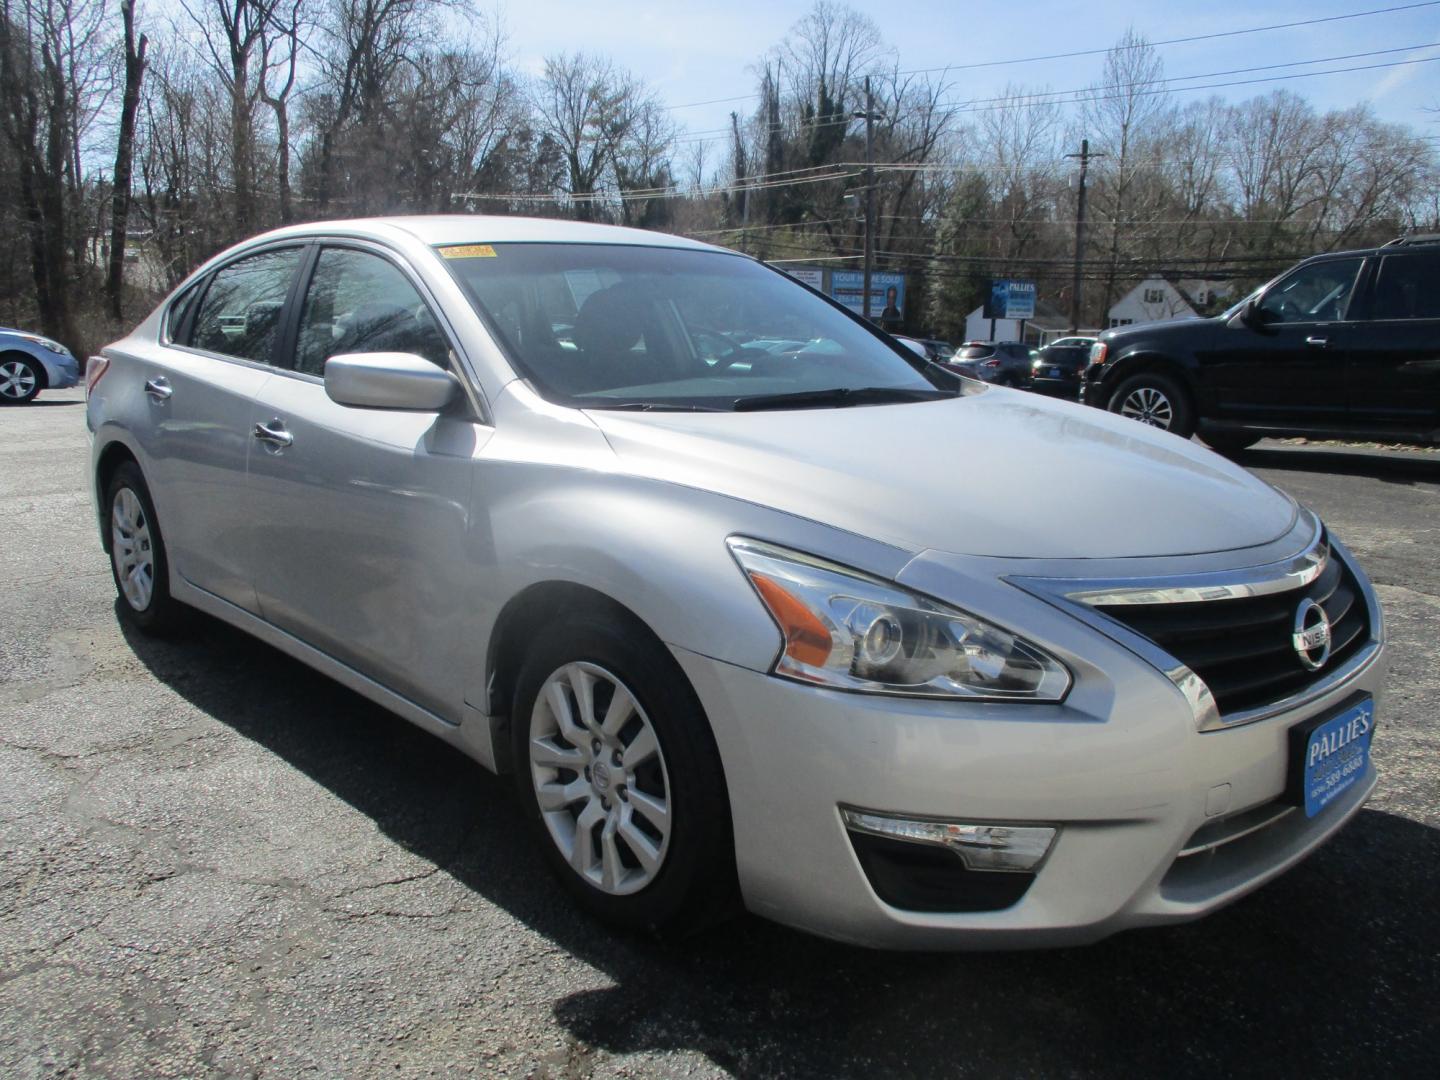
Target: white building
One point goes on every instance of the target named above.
(1049, 322)
(1158, 300)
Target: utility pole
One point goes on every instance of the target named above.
(1084, 155)
(869, 116)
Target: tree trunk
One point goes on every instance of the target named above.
(124, 157)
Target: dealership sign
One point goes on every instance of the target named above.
(1011, 300)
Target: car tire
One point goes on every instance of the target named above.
(638, 830)
(1155, 399)
(1228, 442)
(20, 379)
(138, 562)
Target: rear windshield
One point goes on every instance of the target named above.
(975, 352)
(609, 326)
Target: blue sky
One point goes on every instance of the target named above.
(694, 52)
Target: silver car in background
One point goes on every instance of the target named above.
(742, 623)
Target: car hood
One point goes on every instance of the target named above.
(1152, 332)
(998, 473)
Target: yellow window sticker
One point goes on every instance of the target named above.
(468, 251)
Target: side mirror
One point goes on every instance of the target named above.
(386, 380)
(1248, 317)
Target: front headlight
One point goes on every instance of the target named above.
(46, 343)
(852, 632)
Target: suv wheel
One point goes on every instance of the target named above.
(19, 379)
(618, 771)
(1157, 400)
(137, 553)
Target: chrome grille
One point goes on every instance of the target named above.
(1242, 647)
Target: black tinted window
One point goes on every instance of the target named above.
(1319, 292)
(358, 302)
(240, 312)
(1408, 287)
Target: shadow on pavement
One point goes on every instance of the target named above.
(1394, 467)
(1334, 969)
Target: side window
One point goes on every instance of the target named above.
(358, 302)
(1407, 287)
(175, 317)
(1316, 293)
(240, 313)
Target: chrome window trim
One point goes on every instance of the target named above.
(1078, 597)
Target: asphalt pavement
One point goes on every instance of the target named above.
(214, 862)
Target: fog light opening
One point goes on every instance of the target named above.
(988, 846)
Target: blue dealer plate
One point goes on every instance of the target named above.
(1334, 754)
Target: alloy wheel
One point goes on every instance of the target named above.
(1149, 406)
(17, 380)
(600, 779)
(130, 547)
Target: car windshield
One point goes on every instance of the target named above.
(612, 326)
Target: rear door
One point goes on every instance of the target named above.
(1291, 366)
(362, 550)
(199, 387)
(1394, 374)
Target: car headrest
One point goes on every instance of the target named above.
(611, 320)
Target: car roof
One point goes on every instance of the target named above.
(434, 229)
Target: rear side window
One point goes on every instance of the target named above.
(358, 302)
(175, 317)
(1408, 287)
(239, 314)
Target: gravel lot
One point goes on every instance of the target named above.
(218, 863)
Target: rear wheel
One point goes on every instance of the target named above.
(1157, 400)
(618, 771)
(137, 553)
(19, 379)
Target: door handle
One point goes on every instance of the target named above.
(1317, 342)
(274, 433)
(159, 388)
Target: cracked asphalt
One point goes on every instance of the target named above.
(214, 862)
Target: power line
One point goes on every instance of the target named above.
(1114, 48)
(1085, 97)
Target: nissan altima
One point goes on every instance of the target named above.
(828, 632)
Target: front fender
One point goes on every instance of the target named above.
(657, 548)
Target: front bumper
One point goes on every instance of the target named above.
(61, 372)
(1123, 773)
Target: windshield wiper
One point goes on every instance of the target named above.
(839, 397)
(650, 406)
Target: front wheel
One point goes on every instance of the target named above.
(617, 768)
(1157, 400)
(19, 379)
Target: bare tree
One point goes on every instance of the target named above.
(124, 157)
(281, 39)
(588, 107)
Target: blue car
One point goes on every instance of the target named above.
(30, 363)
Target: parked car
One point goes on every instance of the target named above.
(1344, 345)
(938, 350)
(30, 363)
(915, 345)
(1056, 369)
(729, 650)
(1004, 363)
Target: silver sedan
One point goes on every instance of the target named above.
(873, 650)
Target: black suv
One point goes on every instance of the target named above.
(1345, 345)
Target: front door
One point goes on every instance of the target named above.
(367, 511)
(1288, 366)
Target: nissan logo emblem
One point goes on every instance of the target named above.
(1312, 634)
